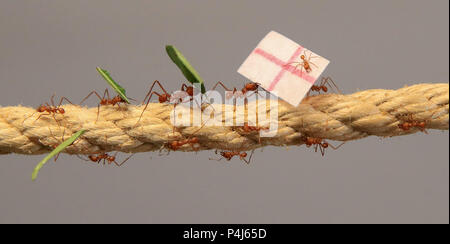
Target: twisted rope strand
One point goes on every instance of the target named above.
(335, 117)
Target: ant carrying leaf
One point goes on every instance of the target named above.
(106, 100)
(186, 68)
(120, 90)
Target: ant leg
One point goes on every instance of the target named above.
(162, 88)
(309, 60)
(161, 149)
(28, 117)
(106, 93)
(235, 90)
(201, 127)
(337, 147)
(309, 57)
(98, 112)
(251, 93)
(64, 98)
(313, 64)
(260, 95)
(250, 158)
(54, 117)
(323, 82)
(296, 66)
(199, 105)
(301, 69)
(56, 157)
(53, 114)
(146, 105)
(51, 99)
(82, 158)
(51, 133)
(149, 92)
(92, 92)
(132, 99)
(151, 89)
(174, 117)
(60, 102)
(216, 159)
(118, 165)
(221, 84)
(322, 150)
(42, 115)
(64, 132)
(62, 140)
(328, 79)
(316, 147)
(287, 64)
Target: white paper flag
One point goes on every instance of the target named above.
(277, 65)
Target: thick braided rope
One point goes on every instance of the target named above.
(335, 117)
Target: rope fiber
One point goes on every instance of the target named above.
(328, 116)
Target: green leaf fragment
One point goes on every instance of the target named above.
(186, 68)
(120, 90)
(57, 150)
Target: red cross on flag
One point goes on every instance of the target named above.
(283, 67)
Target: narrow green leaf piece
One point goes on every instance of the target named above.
(120, 90)
(186, 68)
(57, 150)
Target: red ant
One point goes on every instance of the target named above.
(306, 62)
(188, 89)
(228, 155)
(408, 125)
(50, 109)
(321, 144)
(322, 86)
(248, 129)
(164, 97)
(411, 123)
(97, 158)
(251, 86)
(161, 97)
(105, 100)
(176, 145)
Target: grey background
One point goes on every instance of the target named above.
(54, 46)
